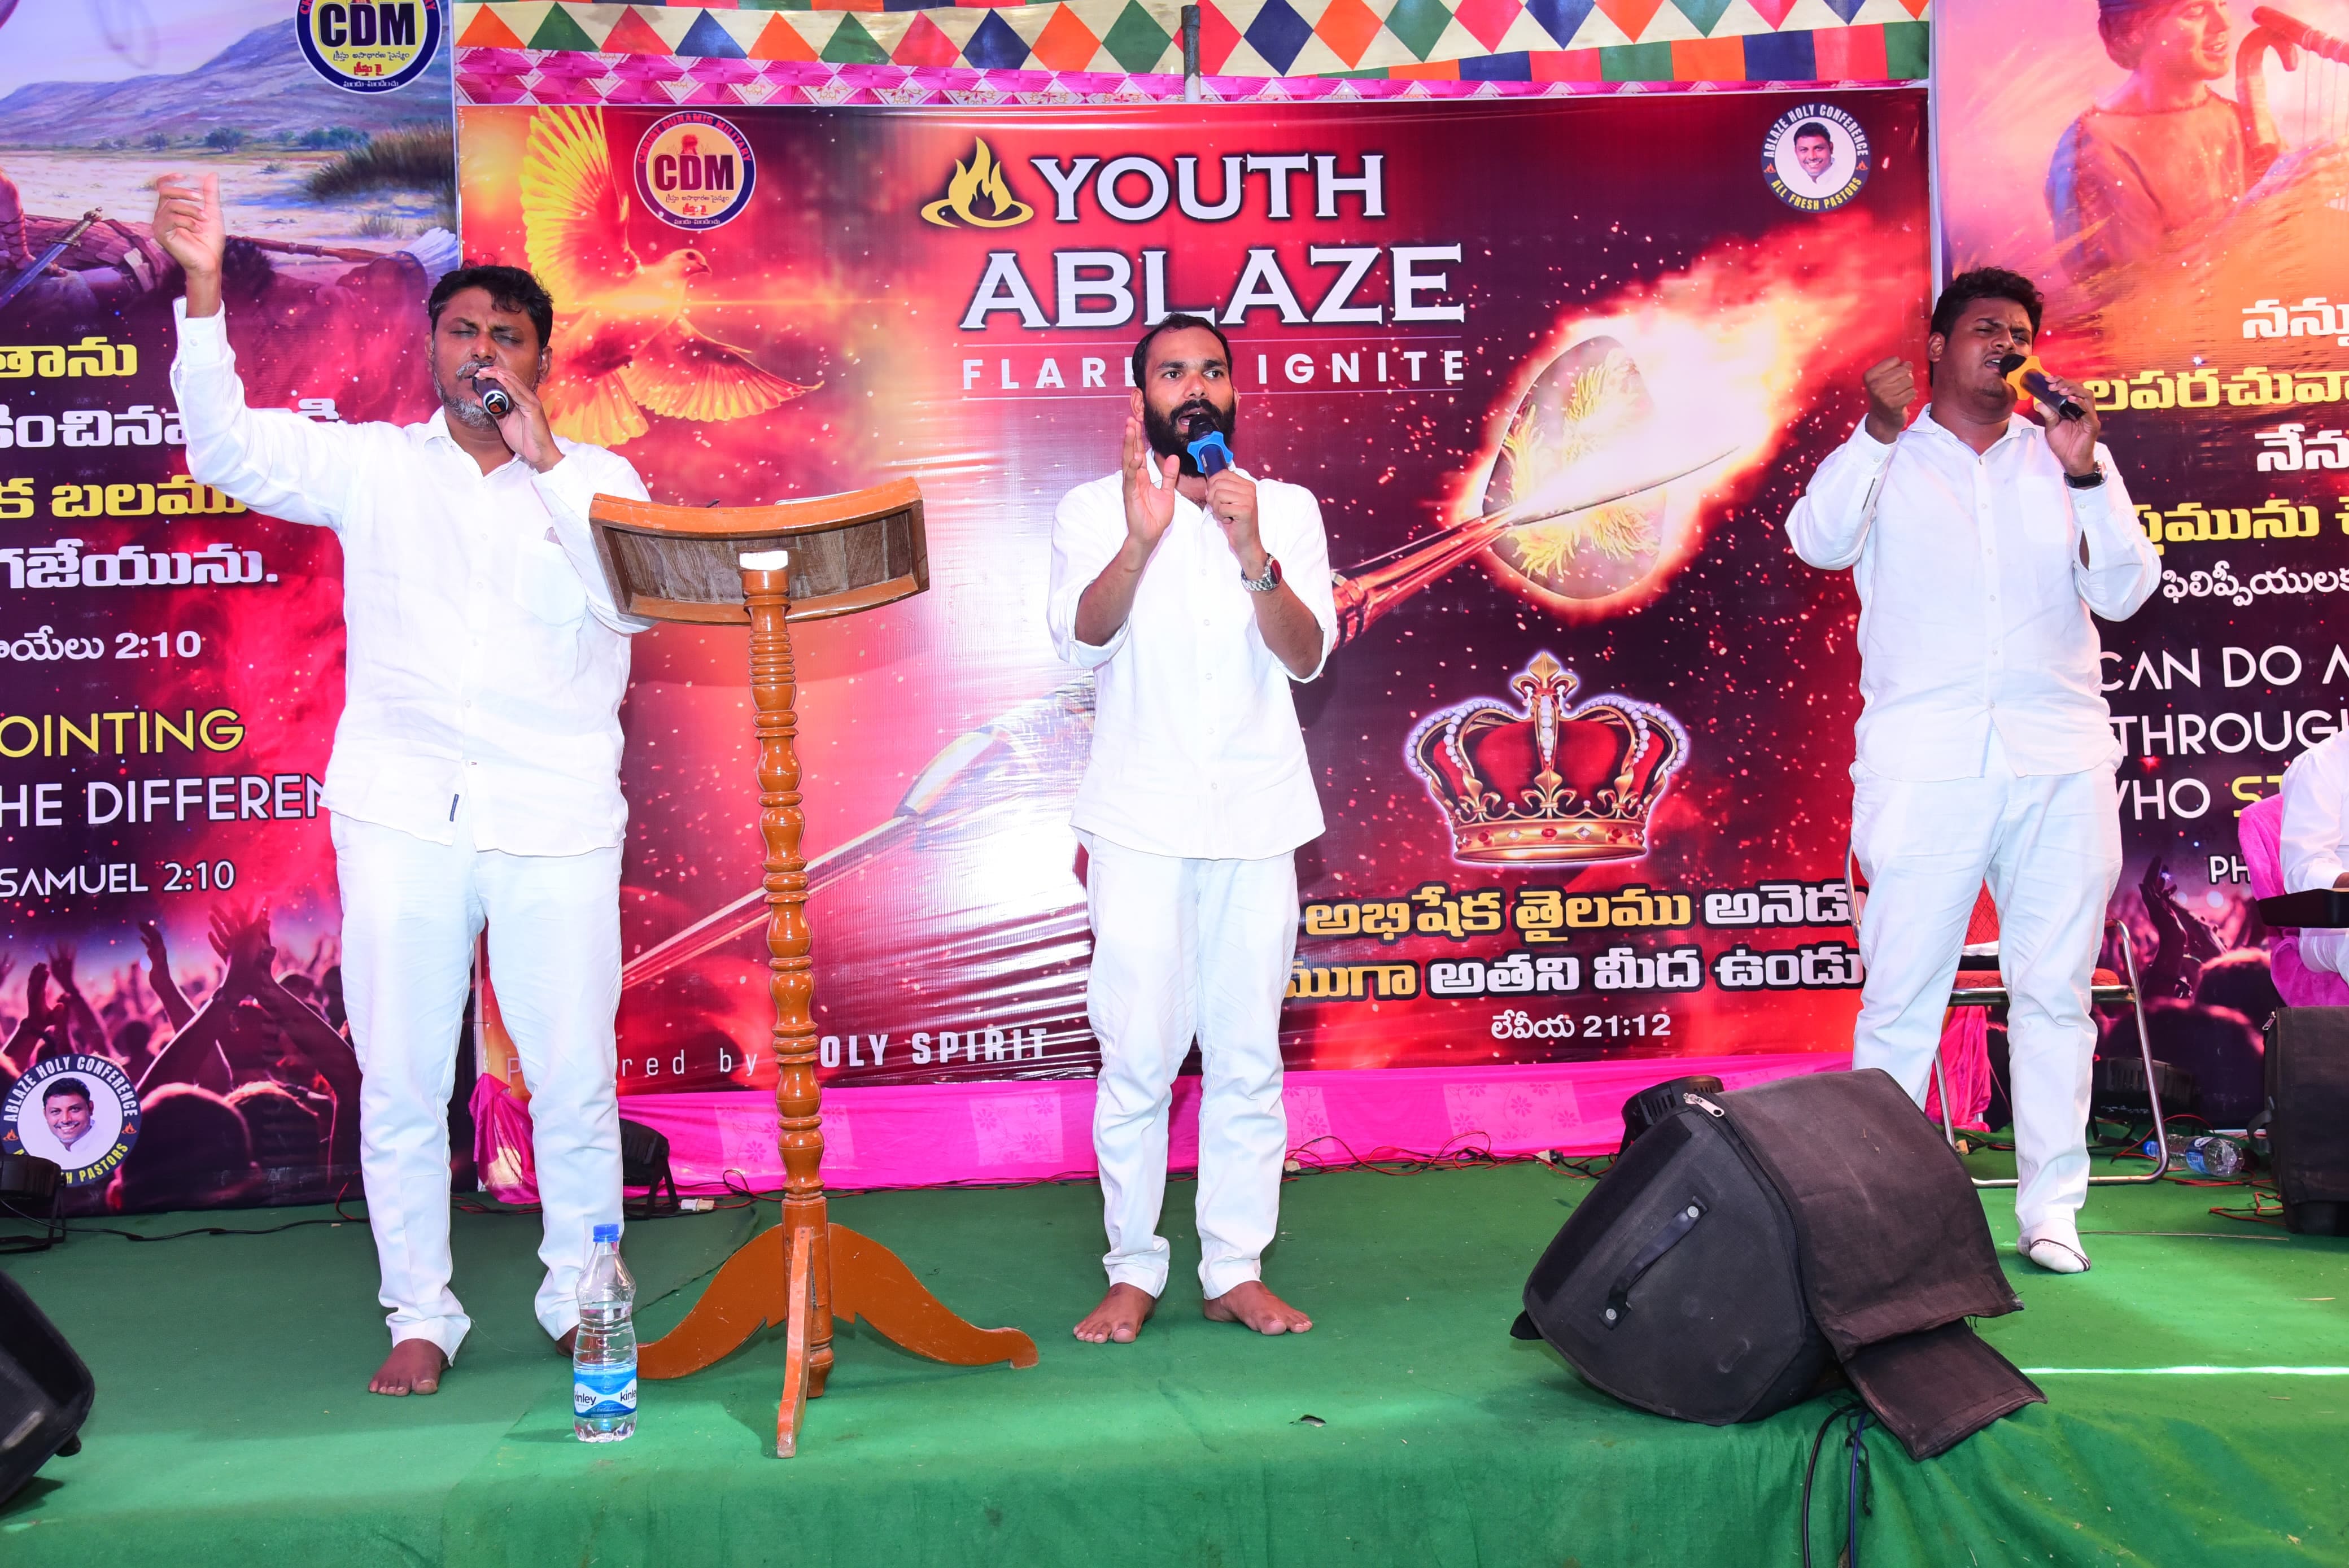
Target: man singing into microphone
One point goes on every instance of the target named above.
(475, 774)
(1196, 600)
(1981, 544)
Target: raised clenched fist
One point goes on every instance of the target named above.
(1891, 387)
(188, 221)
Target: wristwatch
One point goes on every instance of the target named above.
(2086, 481)
(1269, 580)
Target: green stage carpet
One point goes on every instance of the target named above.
(231, 1426)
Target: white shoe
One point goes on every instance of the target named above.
(2055, 1255)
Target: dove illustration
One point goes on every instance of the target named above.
(625, 340)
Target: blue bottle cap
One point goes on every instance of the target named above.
(607, 1233)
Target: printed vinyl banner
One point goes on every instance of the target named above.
(2174, 182)
(171, 664)
(1555, 372)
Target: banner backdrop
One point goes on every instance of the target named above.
(2168, 183)
(171, 665)
(1556, 373)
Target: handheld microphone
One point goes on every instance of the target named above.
(495, 397)
(1212, 453)
(2025, 375)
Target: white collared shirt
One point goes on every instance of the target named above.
(1196, 751)
(1973, 598)
(485, 659)
(2315, 842)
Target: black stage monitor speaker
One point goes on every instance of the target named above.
(1748, 1244)
(1647, 1106)
(44, 1390)
(2308, 1116)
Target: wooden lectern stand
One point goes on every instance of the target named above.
(768, 566)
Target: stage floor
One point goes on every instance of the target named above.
(231, 1425)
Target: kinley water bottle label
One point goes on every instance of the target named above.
(600, 1392)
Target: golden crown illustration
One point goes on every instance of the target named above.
(1545, 782)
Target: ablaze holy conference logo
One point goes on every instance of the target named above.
(978, 195)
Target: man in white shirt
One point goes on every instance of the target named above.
(2314, 842)
(1980, 544)
(1195, 601)
(70, 1112)
(1814, 156)
(475, 774)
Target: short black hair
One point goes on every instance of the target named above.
(1810, 127)
(508, 288)
(66, 1085)
(1985, 283)
(1180, 321)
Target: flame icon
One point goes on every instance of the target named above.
(981, 176)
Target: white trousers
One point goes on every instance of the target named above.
(2050, 848)
(1184, 947)
(411, 910)
(2326, 950)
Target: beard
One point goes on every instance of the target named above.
(1171, 434)
(465, 406)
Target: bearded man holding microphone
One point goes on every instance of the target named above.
(1980, 544)
(475, 773)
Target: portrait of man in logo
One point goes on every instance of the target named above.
(79, 1113)
(1815, 158)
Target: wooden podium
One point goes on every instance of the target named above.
(769, 566)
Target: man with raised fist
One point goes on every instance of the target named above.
(475, 774)
(1982, 544)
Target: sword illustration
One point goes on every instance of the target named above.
(18, 285)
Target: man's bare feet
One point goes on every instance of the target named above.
(1118, 1317)
(1253, 1306)
(414, 1367)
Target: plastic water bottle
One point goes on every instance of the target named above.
(2204, 1156)
(603, 1357)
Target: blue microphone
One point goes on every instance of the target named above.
(1212, 453)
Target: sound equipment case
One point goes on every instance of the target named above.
(1749, 1245)
(2307, 1070)
(44, 1390)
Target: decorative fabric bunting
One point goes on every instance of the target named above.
(910, 51)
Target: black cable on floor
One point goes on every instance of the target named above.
(1854, 1503)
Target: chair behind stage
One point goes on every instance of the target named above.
(2260, 832)
(1979, 983)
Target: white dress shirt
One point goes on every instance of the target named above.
(1973, 597)
(2315, 842)
(485, 657)
(1196, 750)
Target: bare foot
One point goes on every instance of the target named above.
(1253, 1306)
(1118, 1317)
(569, 1343)
(414, 1367)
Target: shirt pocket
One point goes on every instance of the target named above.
(547, 583)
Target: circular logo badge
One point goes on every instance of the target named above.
(1815, 158)
(694, 170)
(369, 45)
(79, 1111)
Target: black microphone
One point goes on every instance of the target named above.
(495, 397)
(1212, 453)
(2022, 374)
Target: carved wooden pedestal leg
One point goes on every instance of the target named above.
(805, 1271)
